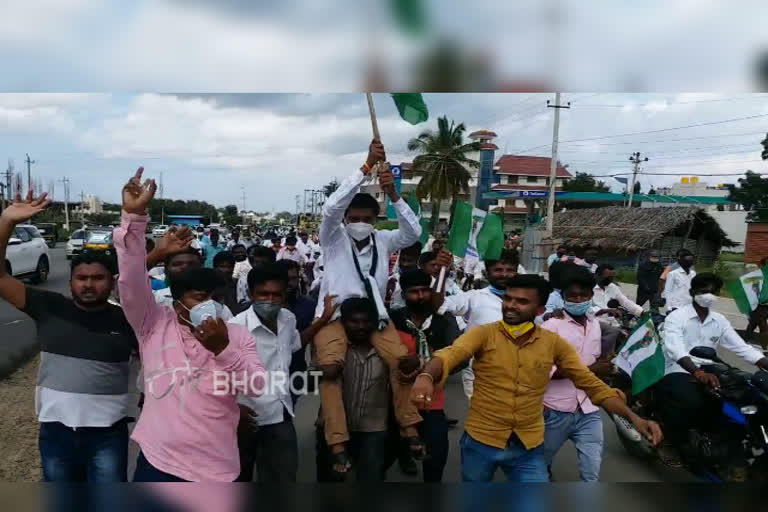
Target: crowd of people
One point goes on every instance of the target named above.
(230, 334)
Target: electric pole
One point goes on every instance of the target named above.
(635, 159)
(65, 182)
(29, 172)
(82, 207)
(242, 192)
(553, 164)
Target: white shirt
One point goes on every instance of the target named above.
(241, 269)
(683, 330)
(165, 298)
(612, 291)
(305, 249)
(296, 255)
(677, 288)
(275, 351)
(341, 278)
(157, 272)
(232, 243)
(477, 307)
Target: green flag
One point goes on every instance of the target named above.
(490, 240)
(424, 231)
(460, 230)
(750, 290)
(410, 15)
(641, 356)
(411, 107)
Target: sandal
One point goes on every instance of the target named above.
(417, 447)
(340, 459)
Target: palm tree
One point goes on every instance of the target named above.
(443, 163)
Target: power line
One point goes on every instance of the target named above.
(670, 103)
(602, 137)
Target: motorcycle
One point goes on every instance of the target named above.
(743, 399)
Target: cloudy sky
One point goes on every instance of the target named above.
(274, 146)
(310, 45)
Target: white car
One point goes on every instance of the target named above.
(75, 243)
(27, 254)
(160, 230)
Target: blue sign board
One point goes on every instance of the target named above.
(398, 175)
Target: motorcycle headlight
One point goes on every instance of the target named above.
(748, 410)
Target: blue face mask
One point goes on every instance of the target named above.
(577, 308)
(499, 292)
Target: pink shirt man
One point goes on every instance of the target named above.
(187, 427)
(561, 395)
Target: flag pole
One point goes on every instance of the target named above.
(372, 111)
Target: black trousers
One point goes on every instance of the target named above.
(434, 431)
(367, 451)
(682, 404)
(643, 296)
(272, 449)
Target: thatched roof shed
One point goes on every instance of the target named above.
(637, 229)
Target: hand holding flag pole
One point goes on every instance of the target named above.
(412, 109)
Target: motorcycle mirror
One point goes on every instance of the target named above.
(748, 410)
(705, 353)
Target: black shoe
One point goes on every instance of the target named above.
(408, 466)
(452, 422)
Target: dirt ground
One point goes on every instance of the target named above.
(18, 426)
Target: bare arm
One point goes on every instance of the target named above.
(12, 290)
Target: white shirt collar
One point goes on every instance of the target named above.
(253, 322)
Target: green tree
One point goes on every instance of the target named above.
(231, 216)
(330, 187)
(637, 187)
(101, 219)
(652, 192)
(752, 194)
(444, 165)
(585, 182)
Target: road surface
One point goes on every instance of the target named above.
(18, 427)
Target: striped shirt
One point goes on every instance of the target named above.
(84, 375)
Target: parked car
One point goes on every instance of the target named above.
(50, 232)
(27, 254)
(75, 243)
(160, 230)
(100, 240)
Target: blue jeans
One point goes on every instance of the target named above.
(586, 433)
(480, 461)
(85, 454)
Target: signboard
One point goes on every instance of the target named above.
(524, 194)
(397, 174)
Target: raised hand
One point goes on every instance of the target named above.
(375, 154)
(175, 241)
(213, 335)
(444, 258)
(20, 211)
(136, 196)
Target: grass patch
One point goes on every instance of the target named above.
(732, 257)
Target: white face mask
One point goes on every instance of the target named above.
(359, 230)
(706, 300)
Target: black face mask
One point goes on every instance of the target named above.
(686, 264)
(419, 308)
(605, 282)
(240, 258)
